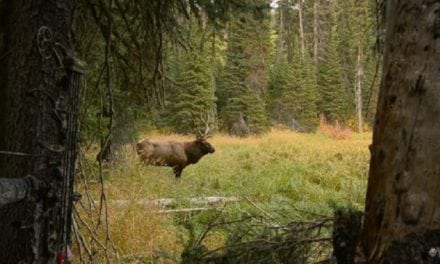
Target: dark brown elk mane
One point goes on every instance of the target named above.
(173, 154)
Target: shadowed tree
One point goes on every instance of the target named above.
(31, 116)
(402, 214)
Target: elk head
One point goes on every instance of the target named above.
(202, 137)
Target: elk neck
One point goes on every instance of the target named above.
(193, 152)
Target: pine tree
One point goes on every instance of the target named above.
(287, 16)
(302, 93)
(333, 100)
(292, 88)
(232, 92)
(244, 112)
(279, 81)
(321, 28)
(365, 19)
(343, 20)
(243, 86)
(309, 88)
(194, 97)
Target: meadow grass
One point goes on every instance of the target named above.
(310, 172)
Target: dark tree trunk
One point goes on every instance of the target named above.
(402, 214)
(29, 92)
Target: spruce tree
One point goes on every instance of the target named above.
(366, 37)
(243, 85)
(194, 98)
(279, 81)
(343, 19)
(302, 95)
(308, 94)
(333, 100)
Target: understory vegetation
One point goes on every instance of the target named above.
(276, 178)
(251, 73)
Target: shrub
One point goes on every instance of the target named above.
(335, 130)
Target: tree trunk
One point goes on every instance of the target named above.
(402, 214)
(358, 89)
(280, 44)
(315, 32)
(301, 27)
(30, 80)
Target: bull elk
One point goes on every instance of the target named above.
(174, 154)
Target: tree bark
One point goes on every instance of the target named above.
(402, 214)
(280, 44)
(301, 27)
(29, 91)
(358, 89)
(315, 32)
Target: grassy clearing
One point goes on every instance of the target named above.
(309, 171)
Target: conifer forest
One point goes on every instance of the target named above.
(244, 66)
(220, 131)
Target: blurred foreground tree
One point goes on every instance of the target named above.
(34, 37)
(402, 213)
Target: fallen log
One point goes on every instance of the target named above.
(169, 202)
(183, 210)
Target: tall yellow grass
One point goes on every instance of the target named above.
(309, 170)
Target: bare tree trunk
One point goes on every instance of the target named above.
(301, 27)
(358, 89)
(315, 32)
(402, 214)
(31, 83)
(280, 44)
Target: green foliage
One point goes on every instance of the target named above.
(194, 98)
(243, 82)
(219, 12)
(342, 21)
(293, 93)
(259, 237)
(355, 23)
(189, 56)
(307, 94)
(275, 171)
(333, 103)
(286, 20)
(242, 103)
(333, 33)
(208, 58)
(280, 79)
(365, 35)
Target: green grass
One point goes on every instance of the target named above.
(310, 172)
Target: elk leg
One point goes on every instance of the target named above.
(177, 171)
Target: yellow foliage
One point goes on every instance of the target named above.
(335, 130)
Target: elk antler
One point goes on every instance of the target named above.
(205, 120)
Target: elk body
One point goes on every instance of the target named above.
(173, 154)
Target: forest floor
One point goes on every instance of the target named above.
(309, 172)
